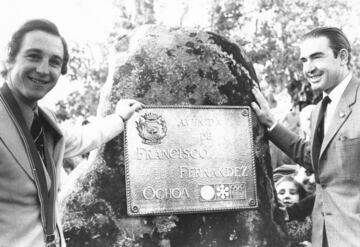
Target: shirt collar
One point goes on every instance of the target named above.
(336, 93)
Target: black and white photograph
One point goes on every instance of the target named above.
(179, 123)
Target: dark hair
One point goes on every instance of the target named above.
(337, 39)
(33, 25)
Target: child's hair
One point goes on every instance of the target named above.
(284, 170)
(290, 178)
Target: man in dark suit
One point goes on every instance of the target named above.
(32, 144)
(333, 152)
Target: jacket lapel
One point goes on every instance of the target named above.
(315, 149)
(50, 121)
(13, 140)
(343, 111)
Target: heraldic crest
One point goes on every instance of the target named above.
(152, 128)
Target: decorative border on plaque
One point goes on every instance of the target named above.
(207, 192)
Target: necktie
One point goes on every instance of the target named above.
(319, 132)
(37, 132)
(321, 119)
(38, 135)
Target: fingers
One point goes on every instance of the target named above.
(137, 106)
(260, 98)
(125, 108)
(134, 104)
(262, 109)
(255, 107)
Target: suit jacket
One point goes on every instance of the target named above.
(337, 171)
(20, 220)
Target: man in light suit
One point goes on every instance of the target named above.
(333, 152)
(32, 145)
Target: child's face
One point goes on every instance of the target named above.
(288, 193)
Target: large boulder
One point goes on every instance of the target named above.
(163, 66)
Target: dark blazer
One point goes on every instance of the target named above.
(337, 171)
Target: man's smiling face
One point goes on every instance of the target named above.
(321, 67)
(37, 66)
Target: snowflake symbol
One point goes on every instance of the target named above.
(222, 191)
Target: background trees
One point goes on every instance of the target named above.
(268, 31)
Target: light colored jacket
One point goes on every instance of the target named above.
(337, 203)
(20, 221)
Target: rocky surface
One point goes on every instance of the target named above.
(164, 66)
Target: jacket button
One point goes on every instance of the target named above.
(342, 138)
(342, 114)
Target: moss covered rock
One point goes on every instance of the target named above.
(163, 66)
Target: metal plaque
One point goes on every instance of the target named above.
(186, 159)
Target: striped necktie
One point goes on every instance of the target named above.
(37, 132)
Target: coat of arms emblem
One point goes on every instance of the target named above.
(152, 128)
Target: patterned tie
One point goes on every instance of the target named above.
(37, 132)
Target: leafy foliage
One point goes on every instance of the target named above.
(270, 32)
(175, 67)
(88, 65)
(89, 73)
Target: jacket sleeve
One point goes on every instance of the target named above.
(82, 139)
(302, 209)
(291, 144)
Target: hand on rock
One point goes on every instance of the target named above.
(262, 109)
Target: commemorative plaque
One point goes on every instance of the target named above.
(187, 159)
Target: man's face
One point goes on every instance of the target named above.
(37, 66)
(320, 66)
(309, 184)
(306, 179)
